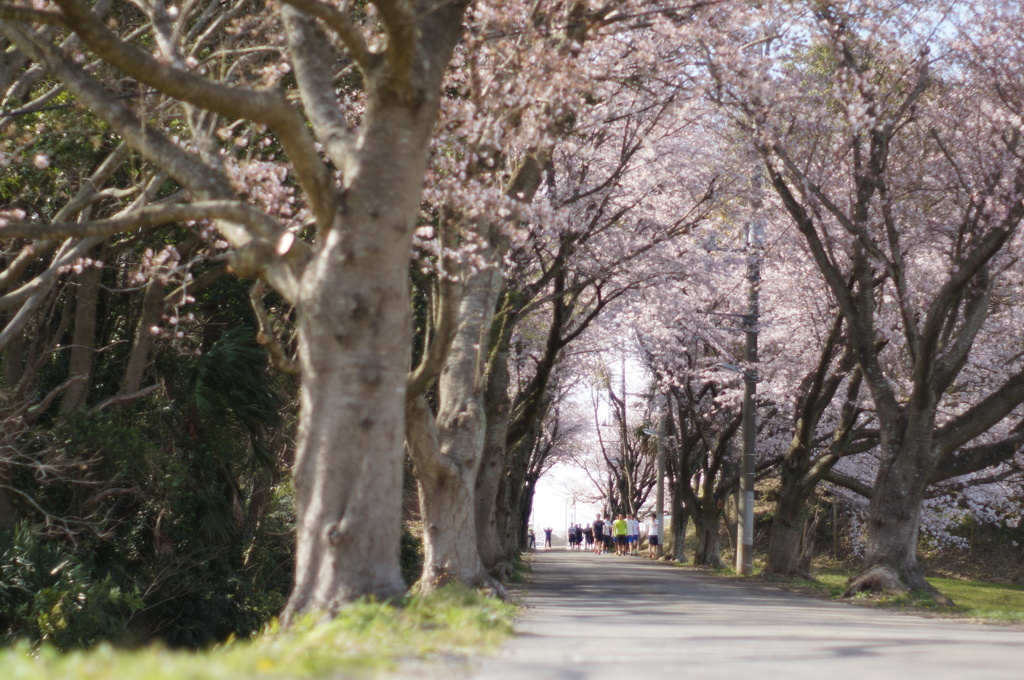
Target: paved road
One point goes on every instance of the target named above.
(600, 616)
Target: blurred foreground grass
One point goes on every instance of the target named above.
(366, 637)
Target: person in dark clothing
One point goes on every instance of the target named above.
(547, 537)
(598, 529)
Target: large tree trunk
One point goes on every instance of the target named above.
(450, 554)
(890, 558)
(525, 510)
(84, 337)
(680, 518)
(486, 499)
(788, 552)
(679, 522)
(355, 318)
(708, 525)
(445, 484)
(447, 464)
(679, 468)
(149, 316)
(489, 479)
(508, 505)
(791, 544)
(355, 331)
(506, 518)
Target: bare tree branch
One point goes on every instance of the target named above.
(446, 316)
(122, 398)
(69, 253)
(307, 46)
(31, 16)
(848, 482)
(341, 24)
(267, 337)
(400, 22)
(149, 216)
(37, 409)
(267, 106)
(185, 168)
(86, 194)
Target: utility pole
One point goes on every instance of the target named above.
(660, 503)
(745, 530)
(659, 509)
(624, 448)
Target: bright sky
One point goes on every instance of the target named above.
(553, 502)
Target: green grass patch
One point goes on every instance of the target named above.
(978, 599)
(366, 637)
(520, 570)
(833, 580)
(972, 599)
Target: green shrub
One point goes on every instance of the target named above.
(47, 596)
(411, 556)
(189, 512)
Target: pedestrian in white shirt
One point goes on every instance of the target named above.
(634, 534)
(653, 536)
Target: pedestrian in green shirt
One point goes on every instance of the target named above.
(620, 529)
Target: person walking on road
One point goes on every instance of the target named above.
(653, 536)
(598, 528)
(547, 537)
(620, 529)
(632, 535)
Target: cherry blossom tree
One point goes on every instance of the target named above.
(358, 159)
(564, 431)
(626, 195)
(890, 131)
(483, 190)
(812, 455)
(702, 417)
(558, 238)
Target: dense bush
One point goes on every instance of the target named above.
(48, 596)
(412, 556)
(168, 518)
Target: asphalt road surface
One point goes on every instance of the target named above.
(602, 616)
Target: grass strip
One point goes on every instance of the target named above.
(994, 602)
(365, 638)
